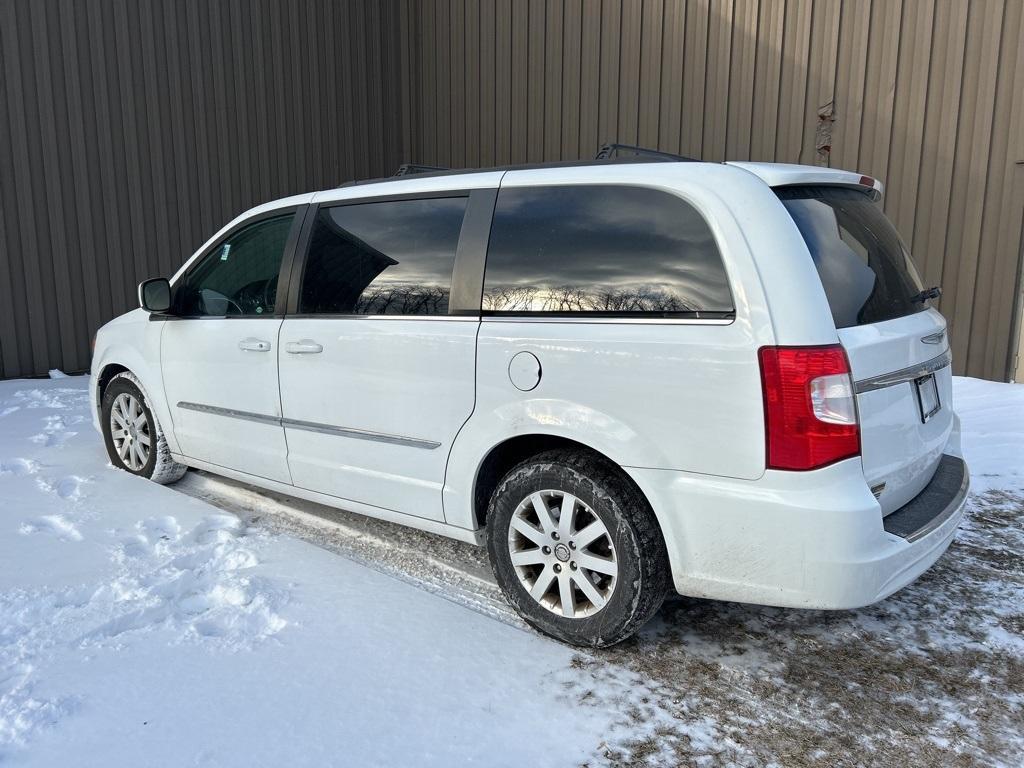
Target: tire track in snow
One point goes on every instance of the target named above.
(454, 570)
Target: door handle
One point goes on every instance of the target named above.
(303, 347)
(254, 345)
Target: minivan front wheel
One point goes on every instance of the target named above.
(135, 442)
(130, 432)
(576, 549)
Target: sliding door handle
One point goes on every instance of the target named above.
(254, 345)
(303, 347)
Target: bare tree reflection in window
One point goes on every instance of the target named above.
(602, 248)
(383, 258)
(569, 299)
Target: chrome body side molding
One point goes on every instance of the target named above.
(309, 426)
(360, 434)
(230, 413)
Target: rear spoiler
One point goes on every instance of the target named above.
(783, 175)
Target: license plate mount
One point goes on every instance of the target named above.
(927, 396)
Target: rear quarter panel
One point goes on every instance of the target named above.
(678, 395)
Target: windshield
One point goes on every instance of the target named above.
(864, 267)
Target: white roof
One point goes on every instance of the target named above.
(773, 174)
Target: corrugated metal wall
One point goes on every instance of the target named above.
(130, 131)
(927, 95)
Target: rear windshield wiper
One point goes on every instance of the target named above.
(926, 294)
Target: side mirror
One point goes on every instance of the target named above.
(155, 295)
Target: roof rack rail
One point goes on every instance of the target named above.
(408, 169)
(607, 151)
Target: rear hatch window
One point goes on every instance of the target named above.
(864, 267)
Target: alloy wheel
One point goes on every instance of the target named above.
(129, 430)
(562, 553)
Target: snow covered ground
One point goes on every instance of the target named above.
(142, 625)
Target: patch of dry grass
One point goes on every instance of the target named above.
(932, 676)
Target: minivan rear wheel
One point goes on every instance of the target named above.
(576, 548)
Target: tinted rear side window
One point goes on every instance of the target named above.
(392, 257)
(602, 250)
(864, 267)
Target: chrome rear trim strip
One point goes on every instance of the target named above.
(311, 426)
(904, 374)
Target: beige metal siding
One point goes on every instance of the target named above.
(130, 131)
(927, 95)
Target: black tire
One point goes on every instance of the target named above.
(643, 578)
(159, 467)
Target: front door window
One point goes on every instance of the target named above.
(239, 277)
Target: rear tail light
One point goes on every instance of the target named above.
(809, 408)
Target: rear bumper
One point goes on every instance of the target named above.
(940, 500)
(802, 540)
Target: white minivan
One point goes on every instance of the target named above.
(620, 377)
